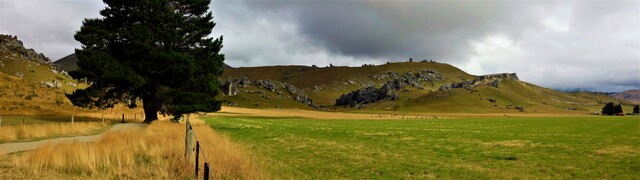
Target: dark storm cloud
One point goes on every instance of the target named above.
(559, 44)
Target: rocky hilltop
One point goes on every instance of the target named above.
(27, 64)
(11, 45)
(491, 79)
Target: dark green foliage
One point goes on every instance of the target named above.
(611, 109)
(154, 50)
(636, 109)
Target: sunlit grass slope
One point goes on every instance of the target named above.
(152, 152)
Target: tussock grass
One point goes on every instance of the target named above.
(37, 131)
(152, 152)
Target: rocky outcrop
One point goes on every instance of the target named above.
(230, 88)
(360, 96)
(298, 94)
(500, 76)
(395, 82)
(232, 85)
(10, 43)
(491, 79)
(410, 78)
(268, 84)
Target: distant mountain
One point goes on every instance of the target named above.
(630, 95)
(68, 63)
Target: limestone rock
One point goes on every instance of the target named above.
(230, 88)
(19, 74)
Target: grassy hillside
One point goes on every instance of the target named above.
(25, 84)
(325, 85)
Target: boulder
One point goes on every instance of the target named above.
(361, 96)
(56, 84)
(496, 83)
(230, 88)
(48, 84)
(19, 74)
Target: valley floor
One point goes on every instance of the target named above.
(301, 144)
(461, 148)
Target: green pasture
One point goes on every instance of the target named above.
(469, 148)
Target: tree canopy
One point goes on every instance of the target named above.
(611, 109)
(157, 51)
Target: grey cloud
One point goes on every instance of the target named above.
(47, 26)
(558, 44)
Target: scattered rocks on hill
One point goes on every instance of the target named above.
(268, 84)
(57, 83)
(492, 79)
(395, 82)
(232, 85)
(298, 94)
(72, 84)
(410, 78)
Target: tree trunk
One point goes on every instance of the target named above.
(151, 107)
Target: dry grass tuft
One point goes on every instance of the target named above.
(153, 152)
(619, 150)
(511, 143)
(35, 131)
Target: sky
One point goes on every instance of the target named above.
(566, 45)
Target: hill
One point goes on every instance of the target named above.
(630, 95)
(405, 87)
(67, 63)
(30, 84)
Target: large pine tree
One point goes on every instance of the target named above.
(154, 50)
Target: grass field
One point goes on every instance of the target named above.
(530, 148)
(155, 151)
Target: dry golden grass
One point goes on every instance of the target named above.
(36, 131)
(152, 152)
(244, 112)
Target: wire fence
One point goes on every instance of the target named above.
(9, 120)
(189, 148)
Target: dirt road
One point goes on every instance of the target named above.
(25, 146)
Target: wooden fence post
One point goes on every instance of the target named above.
(71, 119)
(102, 117)
(206, 171)
(197, 156)
(122, 118)
(188, 142)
